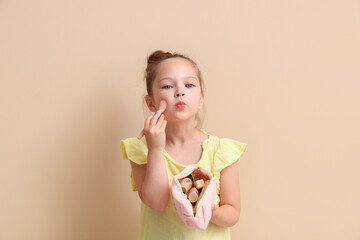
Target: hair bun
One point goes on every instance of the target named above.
(158, 56)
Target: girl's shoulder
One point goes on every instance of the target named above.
(134, 149)
(226, 145)
(226, 151)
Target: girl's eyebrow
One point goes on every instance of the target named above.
(170, 78)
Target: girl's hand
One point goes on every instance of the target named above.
(154, 131)
(213, 208)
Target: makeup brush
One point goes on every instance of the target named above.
(162, 107)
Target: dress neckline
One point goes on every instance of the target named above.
(204, 145)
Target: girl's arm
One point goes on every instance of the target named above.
(151, 179)
(228, 213)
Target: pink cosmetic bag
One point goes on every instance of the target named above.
(185, 209)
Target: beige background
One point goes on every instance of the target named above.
(282, 76)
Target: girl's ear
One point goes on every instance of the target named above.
(201, 101)
(150, 103)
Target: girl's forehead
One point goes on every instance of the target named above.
(176, 66)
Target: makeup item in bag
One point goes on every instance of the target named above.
(186, 184)
(201, 194)
(193, 195)
(197, 214)
(194, 186)
(199, 184)
(197, 174)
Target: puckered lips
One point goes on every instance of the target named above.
(180, 104)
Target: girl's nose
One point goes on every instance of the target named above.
(179, 92)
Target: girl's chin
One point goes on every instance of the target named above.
(178, 119)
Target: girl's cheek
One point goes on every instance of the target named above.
(164, 96)
(168, 102)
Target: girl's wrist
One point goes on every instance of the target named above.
(159, 151)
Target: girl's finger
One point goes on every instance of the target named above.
(148, 119)
(163, 125)
(155, 118)
(160, 120)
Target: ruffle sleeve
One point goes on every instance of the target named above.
(135, 150)
(229, 151)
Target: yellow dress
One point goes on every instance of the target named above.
(217, 154)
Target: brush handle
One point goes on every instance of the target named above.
(141, 134)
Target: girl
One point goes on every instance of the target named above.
(173, 140)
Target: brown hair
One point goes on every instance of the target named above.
(153, 62)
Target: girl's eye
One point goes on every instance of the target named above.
(167, 87)
(190, 85)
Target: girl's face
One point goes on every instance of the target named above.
(176, 81)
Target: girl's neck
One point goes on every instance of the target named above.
(180, 134)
